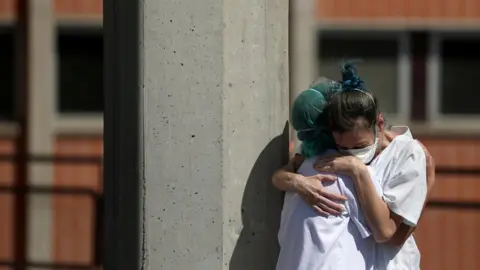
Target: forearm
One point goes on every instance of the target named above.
(376, 211)
(403, 233)
(286, 180)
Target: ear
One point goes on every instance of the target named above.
(380, 122)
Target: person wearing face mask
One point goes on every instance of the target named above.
(391, 190)
(308, 240)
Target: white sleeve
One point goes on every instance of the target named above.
(406, 191)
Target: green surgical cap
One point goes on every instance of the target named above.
(309, 120)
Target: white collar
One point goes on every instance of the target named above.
(402, 130)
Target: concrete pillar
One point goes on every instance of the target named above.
(303, 49)
(304, 45)
(196, 123)
(42, 87)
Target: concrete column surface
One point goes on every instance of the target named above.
(215, 111)
(303, 49)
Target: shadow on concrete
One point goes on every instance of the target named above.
(257, 247)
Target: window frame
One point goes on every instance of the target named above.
(435, 117)
(75, 123)
(61, 123)
(404, 63)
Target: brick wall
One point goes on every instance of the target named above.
(395, 9)
(448, 236)
(6, 202)
(63, 8)
(74, 216)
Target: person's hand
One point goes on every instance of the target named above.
(339, 164)
(312, 191)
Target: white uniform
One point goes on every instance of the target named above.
(312, 242)
(401, 170)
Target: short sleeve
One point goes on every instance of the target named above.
(405, 192)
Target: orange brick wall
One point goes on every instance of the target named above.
(63, 8)
(449, 237)
(395, 9)
(74, 215)
(77, 7)
(6, 202)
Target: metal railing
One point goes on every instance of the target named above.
(96, 237)
(454, 171)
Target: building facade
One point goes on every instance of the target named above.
(420, 59)
(65, 76)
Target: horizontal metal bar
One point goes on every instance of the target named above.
(62, 266)
(51, 190)
(99, 160)
(55, 158)
(457, 171)
(454, 205)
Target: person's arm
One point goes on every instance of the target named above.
(404, 231)
(404, 194)
(285, 178)
(383, 222)
(309, 188)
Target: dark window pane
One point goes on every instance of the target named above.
(378, 66)
(460, 71)
(419, 42)
(7, 76)
(80, 71)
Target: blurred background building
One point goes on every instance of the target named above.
(65, 104)
(420, 58)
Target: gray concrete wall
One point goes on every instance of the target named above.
(215, 103)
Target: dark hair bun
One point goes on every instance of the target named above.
(350, 79)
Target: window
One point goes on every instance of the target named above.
(80, 71)
(380, 63)
(459, 91)
(7, 75)
(416, 76)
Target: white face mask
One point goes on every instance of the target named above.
(365, 154)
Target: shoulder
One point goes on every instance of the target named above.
(408, 159)
(406, 147)
(306, 168)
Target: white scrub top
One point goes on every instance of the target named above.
(401, 171)
(309, 241)
(312, 242)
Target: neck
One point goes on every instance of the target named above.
(385, 140)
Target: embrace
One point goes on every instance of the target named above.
(356, 188)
